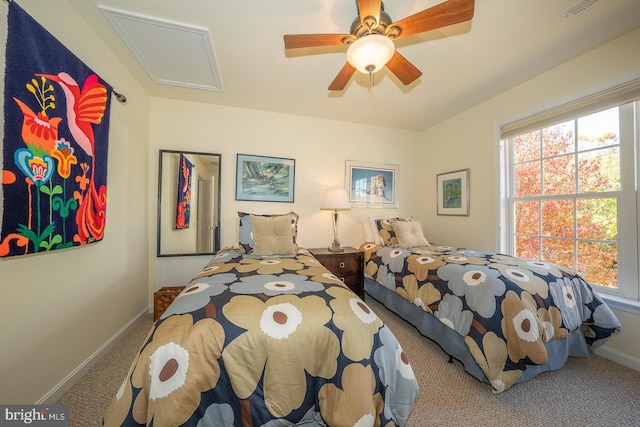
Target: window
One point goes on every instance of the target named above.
(570, 189)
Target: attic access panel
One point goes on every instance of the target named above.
(171, 53)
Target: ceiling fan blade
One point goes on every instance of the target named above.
(444, 14)
(404, 70)
(295, 41)
(343, 77)
(369, 8)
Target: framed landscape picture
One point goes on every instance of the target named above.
(453, 193)
(372, 185)
(265, 179)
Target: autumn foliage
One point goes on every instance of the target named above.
(565, 198)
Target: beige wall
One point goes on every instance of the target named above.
(470, 140)
(320, 148)
(58, 309)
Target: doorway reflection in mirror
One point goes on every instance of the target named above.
(199, 235)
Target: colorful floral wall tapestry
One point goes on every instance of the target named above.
(184, 193)
(54, 152)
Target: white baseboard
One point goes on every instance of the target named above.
(63, 386)
(618, 357)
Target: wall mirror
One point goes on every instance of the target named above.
(188, 203)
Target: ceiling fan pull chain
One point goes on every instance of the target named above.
(370, 69)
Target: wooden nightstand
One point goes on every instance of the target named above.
(348, 266)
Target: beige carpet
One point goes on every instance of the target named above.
(89, 398)
(586, 392)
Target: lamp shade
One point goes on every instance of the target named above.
(370, 53)
(335, 199)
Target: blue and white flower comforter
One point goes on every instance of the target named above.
(255, 341)
(505, 308)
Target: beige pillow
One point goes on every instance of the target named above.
(409, 234)
(272, 235)
(384, 227)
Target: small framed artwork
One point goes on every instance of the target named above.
(453, 193)
(372, 185)
(265, 179)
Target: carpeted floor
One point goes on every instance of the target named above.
(586, 392)
(89, 398)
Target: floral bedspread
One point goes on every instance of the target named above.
(506, 308)
(266, 342)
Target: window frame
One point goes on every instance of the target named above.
(627, 97)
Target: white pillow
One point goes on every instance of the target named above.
(370, 231)
(409, 234)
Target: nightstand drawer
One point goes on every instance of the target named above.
(349, 279)
(348, 266)
(341, 266)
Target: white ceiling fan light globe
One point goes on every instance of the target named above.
(370, 50)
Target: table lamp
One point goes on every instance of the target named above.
(335, 199)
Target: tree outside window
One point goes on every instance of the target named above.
(565, 192)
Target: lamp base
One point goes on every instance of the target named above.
(335, 247)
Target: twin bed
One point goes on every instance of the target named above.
(506, 319)
(266, 336)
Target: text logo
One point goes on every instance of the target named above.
(34, 415)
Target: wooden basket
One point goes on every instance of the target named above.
(162, 298)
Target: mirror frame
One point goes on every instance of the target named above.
(216, 242)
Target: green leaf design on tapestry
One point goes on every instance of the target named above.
(35, 150)
(59, 204)
(64, 245)
(50, 192)
(38, 241)
(54, 241)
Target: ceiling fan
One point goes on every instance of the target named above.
(373, 31)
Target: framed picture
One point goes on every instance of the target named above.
(265, 179)
(453, 193)
(372, 185)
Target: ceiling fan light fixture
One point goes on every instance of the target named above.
(370, 53)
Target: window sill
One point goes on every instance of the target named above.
(621, 303)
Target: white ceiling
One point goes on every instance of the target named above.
(506, 43)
